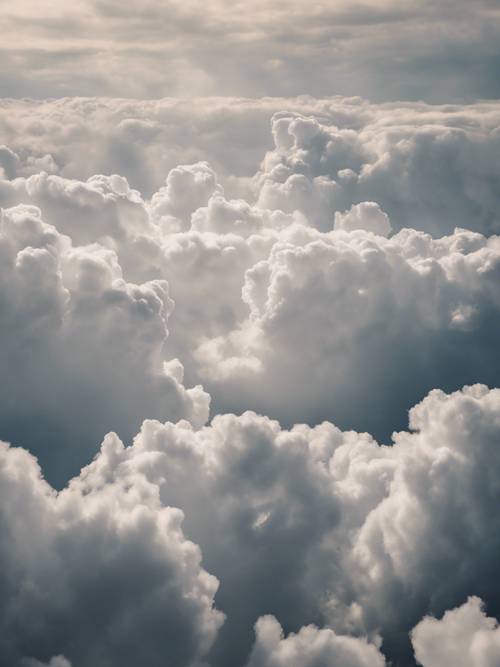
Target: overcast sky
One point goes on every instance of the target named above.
(381, 49)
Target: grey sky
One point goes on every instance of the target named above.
(381, 49)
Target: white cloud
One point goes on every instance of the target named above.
(297, 293)
(273, 315)
(82, 347)
(310, 647)
(335, 318)
(367, 215)
(311, 525)
(464, 637)
(429, 167)
(325, 527)
(103, 578)
(426, 168)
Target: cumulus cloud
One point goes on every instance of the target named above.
(276, 312)
(463, 637)
(316, 525)
(82, 347)
(429, 167)
(102, 578)
(430, 172)
(341, 282)
(309, 648)
(368, 216)
(334, 318)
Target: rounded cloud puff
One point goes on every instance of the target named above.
(367, 215)
(82, 347)
(335, 318)
(429, 167)
(464, 637)
(431, 176)
(104, 578)
(309, 648)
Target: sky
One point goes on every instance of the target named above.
(249, 324)
(445, 51)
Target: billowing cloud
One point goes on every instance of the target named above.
(336, 266)
(105, 578)
(428, 172)
(316, 525)
(82, 348)
(429, 167)
(276, 312)
(464, 637)
(335, 317)
(309, 648)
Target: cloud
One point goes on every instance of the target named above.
(429, 167)
(82, 347)
(319, 526)
(438, 511)
(427, 172)
(464, 636)
(92, 211)
(274, 311)
(295, 290)
(380, 49)
(309, 648)
(335, 317)
(56, 661)
(103, 578)
(187, 189)
(368, 216)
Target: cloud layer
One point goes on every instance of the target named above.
(106, 578)
(309, 525)
(381, 49)
(300, 299)
(245, 333)
(82, 347)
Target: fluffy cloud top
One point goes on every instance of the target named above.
(428, 167)
(309, 648)
(82, 347)
(340, 282)
(315, 525)
(105, 578)
(273, 310)
(335, 317)
(464, 637)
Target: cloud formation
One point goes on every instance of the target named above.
(463, 637)
(428, 167)
(103, 578)
(299, 298)
(82, 347)
(341, 272)
(380, 49)
(335, 316)
(309, 648)
(316, 525)
(310, 525)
